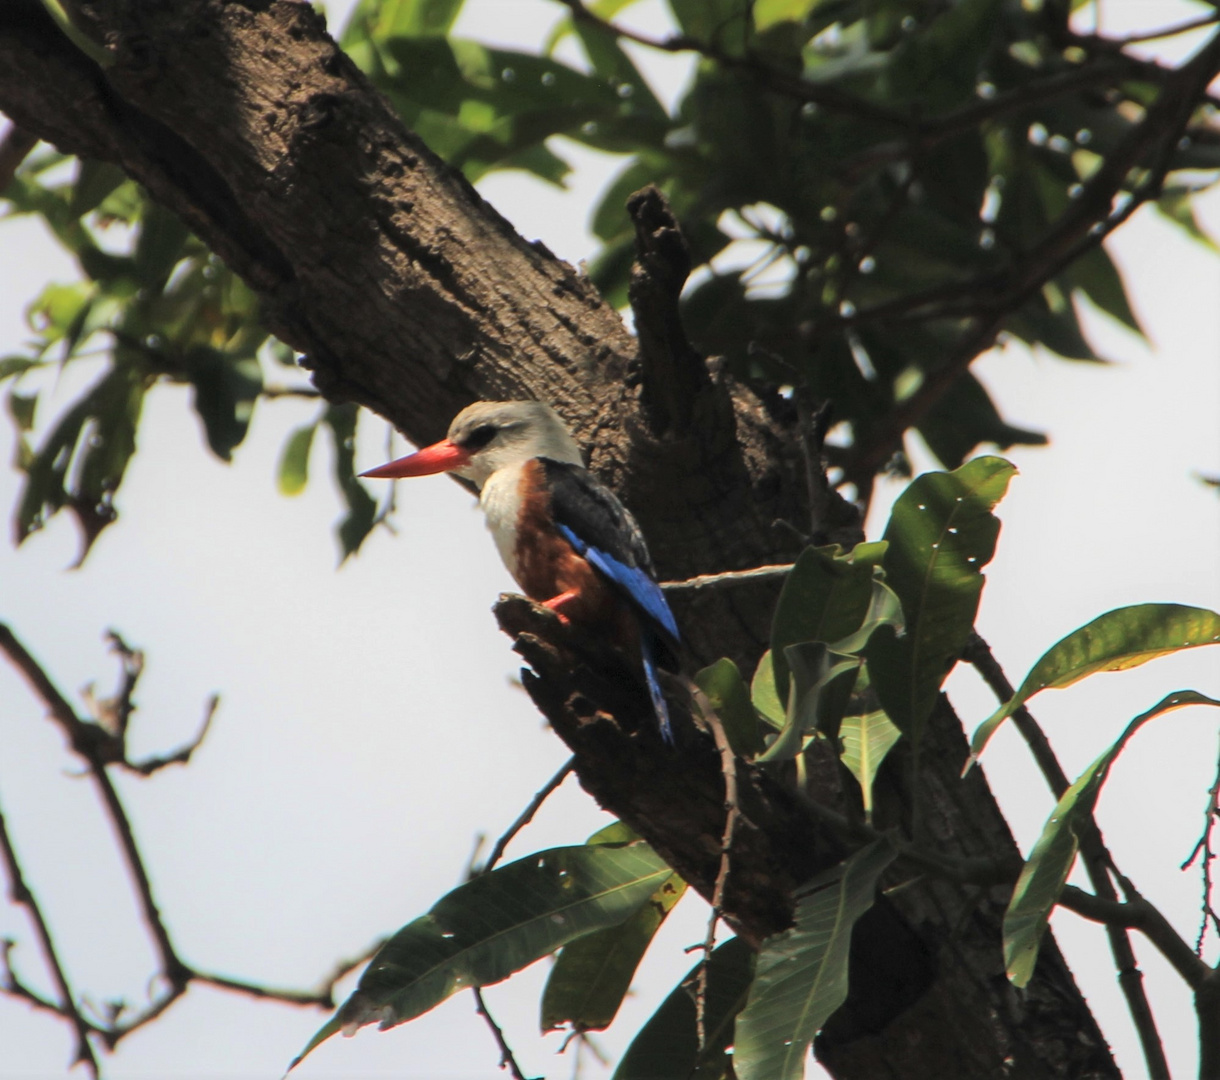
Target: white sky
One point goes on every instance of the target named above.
(368, 730)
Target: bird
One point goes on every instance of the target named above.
(564, 536)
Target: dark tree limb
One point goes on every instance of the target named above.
(672, 375)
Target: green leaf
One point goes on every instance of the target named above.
(668, 1045)
(941, 534)
(361, 509)
(822, 682)
(884, 609)
(1049, 863)
(728, 694)
(1095, 274)
(226, 388)
(800, 976)
(764, 695)
(825, 597)
(22, 407)
(294, 462)
(495, 924)
(866, 740)
(964, 417)
(592, 975)
(769, 13)
(725, 24)
(1120, 639)
(1176, 204)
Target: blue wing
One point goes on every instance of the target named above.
(598, 526)
(638, 584)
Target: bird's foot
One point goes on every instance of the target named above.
(558, 603)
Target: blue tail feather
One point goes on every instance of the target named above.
(648, 654)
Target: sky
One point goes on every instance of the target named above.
(369, 729)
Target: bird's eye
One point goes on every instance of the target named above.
(480, 437)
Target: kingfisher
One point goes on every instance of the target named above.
(564, 536)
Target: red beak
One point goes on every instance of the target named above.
(437, 458)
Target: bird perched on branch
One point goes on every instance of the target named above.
(564, 536)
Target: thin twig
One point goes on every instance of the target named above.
(527, 815)
(21, 894)
(507, 1061)
(1204, 848)
(728, 767)
(728, 577)
(182, 755)
(1096, 857)
(101, 747)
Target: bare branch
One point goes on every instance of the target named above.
(1093, 851)
(21, 894)
(527, 815)
(182, 755)
(728, 766)
(728, 577)
(1204, 848)
(507, 1061)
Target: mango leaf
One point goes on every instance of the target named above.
(1049, 863)
(825, 597)
(884, 609)
(1175, 204)
(866, 740)
(728, 694)
(592, 975)
(769, 13)
(380, 19)
(668, 1044)
(294, 461)
(496, 924)
(226, 388)
(941, 534)
(764, 695)
(1095, 274)
(817, 698)
(1120, 639)
(361, 509)
(800, 976)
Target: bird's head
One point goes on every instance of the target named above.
(487, 436)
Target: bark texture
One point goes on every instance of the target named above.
(409, 294)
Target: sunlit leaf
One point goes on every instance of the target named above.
(825, 597)
(592, 974)
(294, 461)
(730, 697)
(764, 695)
(800, 976)
(495, 924)
(941, 534)
(1118, 640)
(867, 738)
(1050, 862)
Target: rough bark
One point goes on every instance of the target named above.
(406, 292)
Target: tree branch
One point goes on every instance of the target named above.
(20, 893)
(1096, 857)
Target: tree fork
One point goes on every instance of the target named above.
(408, 293)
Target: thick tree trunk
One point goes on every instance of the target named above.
(406, 292)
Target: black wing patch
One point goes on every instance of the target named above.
(601, 529)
